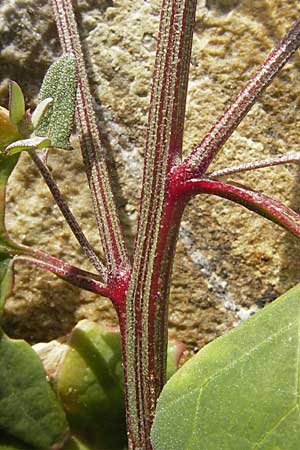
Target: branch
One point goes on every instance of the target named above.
(198, 161)
(68, 273)
(255, 201)
(244, 167)
(145, 332)
(16, 249)
(74, 275)
(68, 215)
(165, 120)
(92, 149)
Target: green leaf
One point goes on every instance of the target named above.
(90, 383)
(8, 131)
(7, 164)
(175, 351)
(241, 392)
(39, 112)
(16, 103)
(90, 386)
(6, 279)
(59, 84)
(29, 410)
(32, 143)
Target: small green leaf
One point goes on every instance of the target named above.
(241, 392)
(32, 143)
(29, 410)
(16, 103)
(39, 112)
(6, 279)
(59, 84)
(8, 131)
(7, 164)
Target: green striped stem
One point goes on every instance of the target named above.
(144, 324)
(196, 164)
(92, 149)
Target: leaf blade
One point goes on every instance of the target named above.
(16, 103)
(236, 393)
(6, 279)
(29, 411)
(7, 164)
(33, 143)
(60, 84)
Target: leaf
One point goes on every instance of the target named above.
(9, 443)
(90, 386)
(16, 103)
(29, 410)
(7, 164)
(8, 131)
(32, 143)
(241, 392)
(60, 84)
(175, 351)
(6, 279)
(39, 111)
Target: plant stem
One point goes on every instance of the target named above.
(144, 321)
(142, 294)
(195, 165)
(74, 275)
(255, 201)
(67, 272)
(290, 158)
(92, 149)
(68, 215)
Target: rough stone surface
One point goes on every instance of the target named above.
(229, 261)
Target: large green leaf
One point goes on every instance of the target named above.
(29, 410)
(241, 392)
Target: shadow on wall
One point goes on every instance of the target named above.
(43, 312)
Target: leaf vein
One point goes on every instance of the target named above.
(279, 421)
(230, 365)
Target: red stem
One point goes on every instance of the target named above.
(68, 273)
(255, 201)
(68, 215)
(195, 165)
(144, 331)
(290, 158)
(92, 149)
